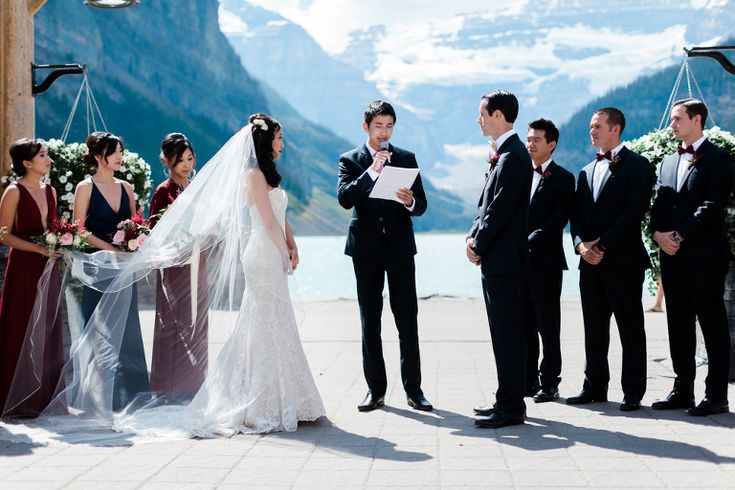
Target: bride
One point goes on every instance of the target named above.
(231, 217)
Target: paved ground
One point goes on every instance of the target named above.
(560, 446)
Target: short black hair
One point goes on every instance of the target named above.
(614, 117)
(694, 107)
(24, 149)
(503, 101)
(378, 108)
(551, 133)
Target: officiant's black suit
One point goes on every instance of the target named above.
(694, 278)
(615, 285)
(500, 231)
(540, 300)
(380, 241)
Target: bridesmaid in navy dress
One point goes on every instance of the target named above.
(179, 360)
(103, 201)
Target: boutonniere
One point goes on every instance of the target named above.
(614, 161)
(545, 175)
(492, 159)
(695, 157)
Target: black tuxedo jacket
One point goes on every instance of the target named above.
(615, 218)
(374, 219)
(696, 211)
(500, 229)
(547, 216)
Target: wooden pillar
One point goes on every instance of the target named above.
(17, 109)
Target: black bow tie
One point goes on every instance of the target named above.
(681, 150)
(604, 156)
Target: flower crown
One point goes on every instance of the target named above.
(260, 124)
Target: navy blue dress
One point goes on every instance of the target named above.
(131, 376)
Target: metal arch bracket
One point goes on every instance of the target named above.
(59, 71)
(715, 53)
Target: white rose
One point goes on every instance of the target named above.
(68, 187)
(51, 239)
(77, 241)
(132, 245)
(66, 214)
(62, 179)
(70, 197)
(87, 176)
(63, 197)
(129, 176)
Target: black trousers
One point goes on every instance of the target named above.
(694, 290)
(502, 294)
(541, 314)
(606, 292)
(370, 275)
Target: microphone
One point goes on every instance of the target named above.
(384, 147)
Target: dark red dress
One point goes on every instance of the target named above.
(179, 360)
(19, 293)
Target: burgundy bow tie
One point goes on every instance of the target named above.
(539, 170)
(604, 156)
(681, 150)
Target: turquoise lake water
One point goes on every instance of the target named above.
(442, 268)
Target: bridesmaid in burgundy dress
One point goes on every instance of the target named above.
(179, 362)
(27, 209)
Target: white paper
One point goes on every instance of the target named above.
(390, 180)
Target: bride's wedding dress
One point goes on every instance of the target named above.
(261, 381)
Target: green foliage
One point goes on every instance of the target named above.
(655, 146)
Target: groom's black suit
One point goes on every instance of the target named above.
(615, 285)
(694, 278)
(540, 307)
(380, 241)
(501, 240)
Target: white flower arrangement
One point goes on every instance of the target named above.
(260, 123)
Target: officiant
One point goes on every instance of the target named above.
(381, 243)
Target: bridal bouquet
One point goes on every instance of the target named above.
(63, 234)
(132, 233)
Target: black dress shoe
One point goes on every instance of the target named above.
(546, 395)
(630, 405)
(371, 402)
(533, 389)
(709, 407)
(498, 420)
(419, 402)
(675, 400)
(586, 397)
(484, 411)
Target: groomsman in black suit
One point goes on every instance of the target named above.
(688, 224)
(498, 243)
(552, 190)
(613, 194)
(380, 241)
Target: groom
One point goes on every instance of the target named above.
(498, 243)
(380, 241)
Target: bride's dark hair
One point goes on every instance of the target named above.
(263, 141)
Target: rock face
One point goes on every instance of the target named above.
(165, 66)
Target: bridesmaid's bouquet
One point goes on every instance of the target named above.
(132, 233)
(64, 235)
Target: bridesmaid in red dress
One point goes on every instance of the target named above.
(179, 361)
(27, 209)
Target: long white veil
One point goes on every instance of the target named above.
(204, 233)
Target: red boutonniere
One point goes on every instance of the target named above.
(492, 159)
(546, 175)
(614, 161)
(695, 157)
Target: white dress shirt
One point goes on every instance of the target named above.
(374, 175)
(601, 169)
(685, 164)
(537, 177)
(501, 139)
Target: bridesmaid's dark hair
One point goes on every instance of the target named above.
(263, 140)
(173, 147)
(100, 143)
(22, 150)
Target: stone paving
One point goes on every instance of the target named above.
(559, 446)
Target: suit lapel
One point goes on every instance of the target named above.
(697, 154)
(364, 159)
(589, 172)
(550, 169)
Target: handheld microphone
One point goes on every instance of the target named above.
(384, 146)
